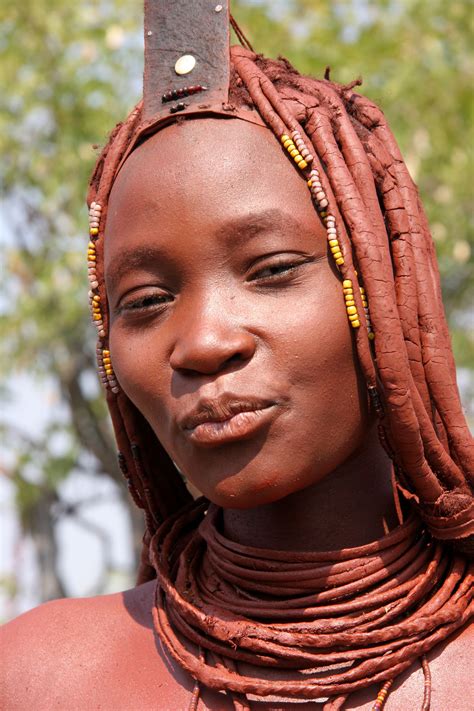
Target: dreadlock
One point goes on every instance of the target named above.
(389, 258)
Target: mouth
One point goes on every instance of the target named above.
(221, 421)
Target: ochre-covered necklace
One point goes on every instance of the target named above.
(318, 625)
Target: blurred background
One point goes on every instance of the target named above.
(69, 72)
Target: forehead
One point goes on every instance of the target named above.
(197, 174)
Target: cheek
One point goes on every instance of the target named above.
(328, 380)
(141, 372)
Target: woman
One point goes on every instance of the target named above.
(270, 326)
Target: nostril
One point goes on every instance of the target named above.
(236, 358)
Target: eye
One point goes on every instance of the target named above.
(141, 303)
(278, 268)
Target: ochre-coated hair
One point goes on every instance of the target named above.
(424, 589)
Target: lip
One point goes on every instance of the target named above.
(227, 419)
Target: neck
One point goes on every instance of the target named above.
(351, 506)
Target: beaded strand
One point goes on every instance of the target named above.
(109, 371)
(382, 696)
(351, 308)
(294, 152)
(367, 314)
(174, 94)
(105, 370)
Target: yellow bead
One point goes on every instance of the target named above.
(353, 317)
(293, 152)
(355, 324)
(310, 182)
(340, 261)
(350, 302)
(347, 284)
(351, 310)
(91, 245)
(298, 158)
(94, 231)
(348, 291)
(288, 143)
(333, 243)
(335, 249)
(109, 371)
(285, 138)
(371, 335)
(337, 255)
(91, 258)
(362, 290)
(303, 164)
(96, 317)
(96, 297)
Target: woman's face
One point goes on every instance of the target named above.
(228, 325)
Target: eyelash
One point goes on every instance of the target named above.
(284, 267)
(144, 303)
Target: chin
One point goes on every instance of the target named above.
(248, 490)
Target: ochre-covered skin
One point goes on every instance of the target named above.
(225, 320)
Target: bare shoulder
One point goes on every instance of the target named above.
(92, 653)
(74, 653)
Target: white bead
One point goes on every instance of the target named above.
(185, 64)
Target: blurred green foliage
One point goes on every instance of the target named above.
(72, 70)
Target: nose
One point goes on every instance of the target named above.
(210, 340)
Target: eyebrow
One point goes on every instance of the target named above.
(255, 223)
(233, 231)
(129, 259)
